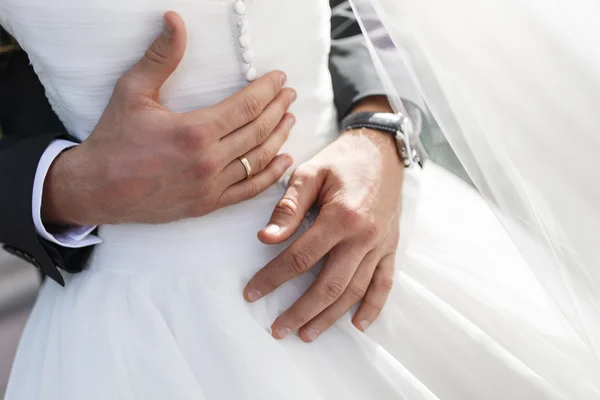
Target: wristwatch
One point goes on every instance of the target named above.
(409, 145)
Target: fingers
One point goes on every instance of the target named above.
(160, 60)
(250, 188)
(248, 104)
(260, 157)
(301, 194)
(327, 289)
(377, 293)
(353, 294)
(256, 132)
(301, 256)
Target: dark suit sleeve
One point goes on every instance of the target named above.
(352, 72)
(28, 126)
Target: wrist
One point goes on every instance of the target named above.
(385, 142)
(63, 200)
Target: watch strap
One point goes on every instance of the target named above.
(386, 122)
(408, 143)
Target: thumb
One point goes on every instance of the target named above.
(162, 57)
(302, 192)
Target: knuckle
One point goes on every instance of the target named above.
(218, 127)
(356, 292)
(287, 206)
(206, 131)
(157, 54)
(332, 289)
(375, 308)
(126, 85)
(263, 129)
(385, 284)
(304, 178)
(251, 189)
(330, 320)
(127, 93)
(305, 172)
(204, 168)
(350, 218)
(251, 107)
(300, 262)
(264, 159)
(327, 319)
(372, 231)
(269, 283)
(192, 139)
(275, 174)
(298, 318)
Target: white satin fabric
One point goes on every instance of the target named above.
(159, 312)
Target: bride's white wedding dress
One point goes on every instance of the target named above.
(159, 312)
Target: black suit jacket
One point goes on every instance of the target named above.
(29, 125)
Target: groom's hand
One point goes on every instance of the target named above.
(357, 183)
(143, 163)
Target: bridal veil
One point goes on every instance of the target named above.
(515, 87)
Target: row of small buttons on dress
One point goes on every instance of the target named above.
(244, 40)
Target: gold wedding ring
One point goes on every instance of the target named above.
(247, 166)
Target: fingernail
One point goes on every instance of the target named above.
(283, 79)
(291, 121)
(254, 295)
(281, 333)
(293, 96)
(312, 334)
(272, 229)
(364, 324)
(288, 162)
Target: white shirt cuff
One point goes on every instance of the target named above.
(72, 236)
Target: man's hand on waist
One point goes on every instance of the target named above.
(356, 182)
(143, 163)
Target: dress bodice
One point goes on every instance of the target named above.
(80, 65)
(79, 49)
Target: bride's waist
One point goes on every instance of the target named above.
(226, 236)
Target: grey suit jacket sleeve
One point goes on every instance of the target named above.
(352, 72)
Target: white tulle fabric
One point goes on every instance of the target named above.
(159, 313)
(515, 86)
